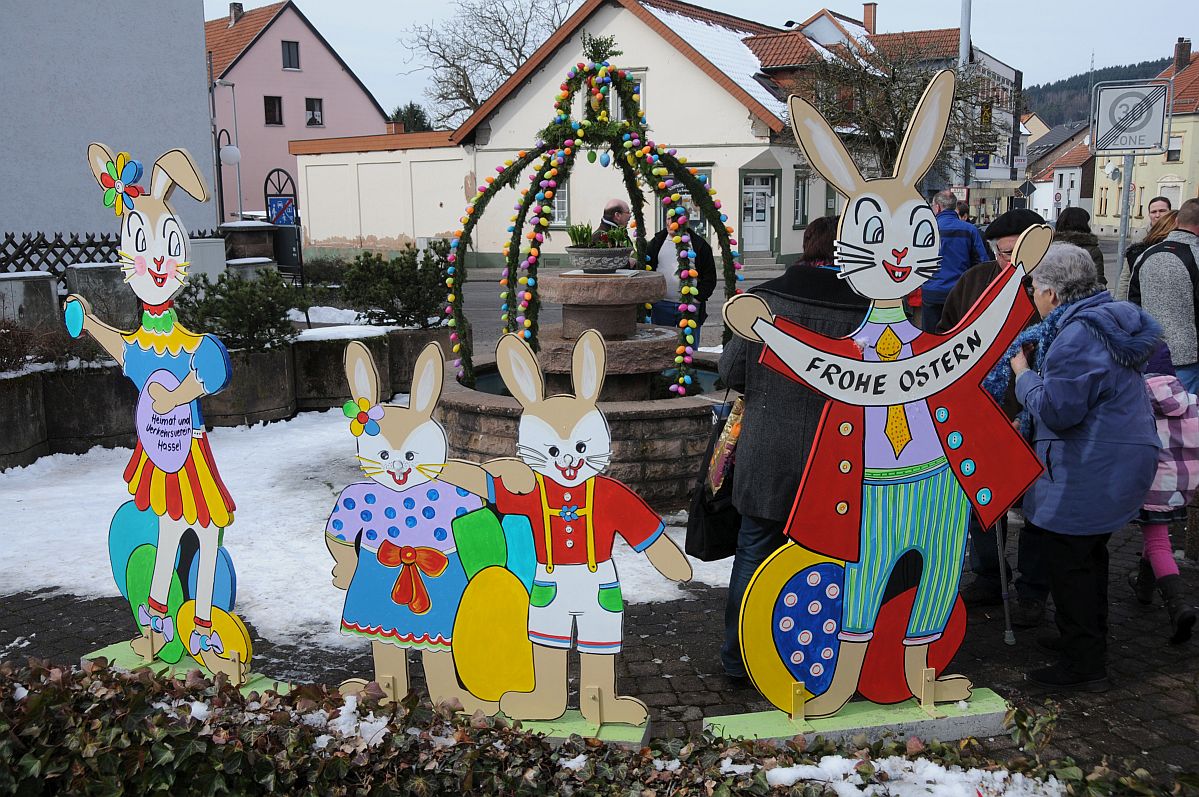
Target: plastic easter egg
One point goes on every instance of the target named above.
(591, 156)
(605, 159)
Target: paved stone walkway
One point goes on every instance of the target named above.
(670, 661)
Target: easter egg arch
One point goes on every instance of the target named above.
(626, 145)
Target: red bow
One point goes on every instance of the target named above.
(409, 589)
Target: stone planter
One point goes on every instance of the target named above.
(88, 407)
(103, 285)
(405, 345)
(22, 419)
(319, 364)
(599, 261)
(248, 267)
(657, 445)
(263, 388)
(29, 299)
(248, 239)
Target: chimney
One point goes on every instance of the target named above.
(1182, 54)
(235, 12)
(395, 128)
(869, 15)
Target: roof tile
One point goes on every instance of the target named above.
(226, 41)
(936, 43)
(789, 48)
(1186, 86)
(1077, 155)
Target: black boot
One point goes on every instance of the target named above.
(1142, 582)
(1182, 614)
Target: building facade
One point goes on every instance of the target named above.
(288, 83)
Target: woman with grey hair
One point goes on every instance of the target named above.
(1086, 412)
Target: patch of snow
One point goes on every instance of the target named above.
(18, 643)
(14, 275)
(670, 766)
(727, 767)
(727, 51)
(200, 710)
(248, 261)
(910, 778)
(576, 763)
(713, 349)
(321, 742)
(19, 692)
(327, 315)
(963, 705)
(345, 332)
(246, 223)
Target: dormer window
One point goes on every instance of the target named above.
(291, 55)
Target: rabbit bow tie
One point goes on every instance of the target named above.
(198, 643)
(409, 589)
(163, 625)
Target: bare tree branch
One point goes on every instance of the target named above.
(479, 48)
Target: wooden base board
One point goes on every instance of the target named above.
(982, 716)
(572, 723)
(121, 655)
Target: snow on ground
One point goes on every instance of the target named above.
(327, 315)
(284, 478)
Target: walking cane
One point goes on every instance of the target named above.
(1009, 636)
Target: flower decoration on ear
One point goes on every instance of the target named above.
(364, 416)
(119, 181)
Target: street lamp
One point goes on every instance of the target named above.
(231, 154)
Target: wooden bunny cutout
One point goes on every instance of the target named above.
(576, 513)
(393, 535)
(908, 444)
(172, 476)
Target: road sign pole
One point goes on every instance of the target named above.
(1125, 211)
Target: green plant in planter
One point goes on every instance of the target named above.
(407, 290)
(244, 314)
(580, 234)
(612, 238)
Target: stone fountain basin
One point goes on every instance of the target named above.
(657, 444)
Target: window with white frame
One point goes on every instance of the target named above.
(801, 199)
(616, 110)
(561, 205)
(1174, 149)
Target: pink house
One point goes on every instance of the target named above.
(288, 84)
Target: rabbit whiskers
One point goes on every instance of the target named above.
(531, 455)
(929, 270)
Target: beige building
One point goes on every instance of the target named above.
(1175, 174)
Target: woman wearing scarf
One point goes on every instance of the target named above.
(1087, 414)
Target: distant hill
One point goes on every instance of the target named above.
(1069, 99)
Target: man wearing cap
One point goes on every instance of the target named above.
(1032, 586)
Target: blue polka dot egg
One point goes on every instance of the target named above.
(807, 617)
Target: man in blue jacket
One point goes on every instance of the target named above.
(961, 247)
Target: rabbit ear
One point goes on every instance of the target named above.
(98, 156)
(361, 373)
(426, 380)
(922, 141)
(587, 365)
(521, 372)
(823, 148)
(1031, 247)
(177, 168)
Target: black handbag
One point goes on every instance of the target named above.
(713, 523)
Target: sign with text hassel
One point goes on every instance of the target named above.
(1130, 117)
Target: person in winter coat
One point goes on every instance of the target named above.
(662, 256)
(781, 415)
(1176, 413)
(1166, 223)
(1032, 585)
(961, 247)
(1074, 227)
(1088, 417)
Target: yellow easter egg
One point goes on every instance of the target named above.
(492, 651)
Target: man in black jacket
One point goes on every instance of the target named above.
(662, 256)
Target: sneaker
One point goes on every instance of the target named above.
(1028, 613)
(1060, 678)
(982, 592)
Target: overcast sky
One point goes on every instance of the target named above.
(1047, 40)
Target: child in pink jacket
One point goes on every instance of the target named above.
(1176, 413)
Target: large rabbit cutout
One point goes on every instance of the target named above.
(908, 445)
(165, 545)
(409, 539)
(574, 515)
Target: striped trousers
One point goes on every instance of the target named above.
(928, 513)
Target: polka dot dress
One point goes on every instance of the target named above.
(807, 617)
(420, 517)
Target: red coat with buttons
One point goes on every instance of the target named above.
(827, 514)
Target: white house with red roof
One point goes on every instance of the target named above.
(713, 86)
(289, 84)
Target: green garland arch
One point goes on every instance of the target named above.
(643, 164)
